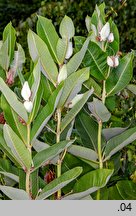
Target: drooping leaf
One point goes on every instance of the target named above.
(99, 110)
(18, 148)
(35, 183)
(74, 111)
(120, 76)
(116, 143)
(89, 183)
(39, 50)
(83, 152)
(109, 133)
(10, 96)
(60, 182)
(48, 34)
(14, 193)
(46, 113)
(10, 175)
(43, 157)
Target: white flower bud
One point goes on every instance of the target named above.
(110, 38)
(28, 106)
(75, 100)
(62, 73)
(110, 61)
(113, 61)
(116, 61)
(105, 31)
(69, 50)
(26, 92)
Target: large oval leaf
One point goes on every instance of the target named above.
(42, 157)
(120, 76)
(116, 143)
(17, 147)
(39, 50)
(47, 32)
(59, 183)
(90, 183)
(14, 193)
(10, 96)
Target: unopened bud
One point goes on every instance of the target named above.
(69, 50)
(110, 38)
(113, 61)
(28, 106)
(26, 92)
(105, 31)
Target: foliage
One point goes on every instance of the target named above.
(57, 139)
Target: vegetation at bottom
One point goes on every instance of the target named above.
(67, 109)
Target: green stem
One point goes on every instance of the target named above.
(98, 196)
(99, 145)
(28, 171)
(58, 140)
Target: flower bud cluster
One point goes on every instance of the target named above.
(26, 94)
(105, 34)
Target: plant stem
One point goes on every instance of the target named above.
(28, 171)
(100, 138)
(99, 144)
(58, 140)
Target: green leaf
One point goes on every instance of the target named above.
(113, 47)
(109, 133)
(83, 152)
(127, 189)
(89, 183)
(48, 34)
(42, 157)
(61, 49)
(9, 34)
(72, 85)
(10, 175)
(92, 83)
(74, 111)
(46, 112)
(4, 58)
(59, 183)
(19, 150)
(10, 96)
(120, 76)
(14, 193)
(99, 110)
(39, 50)
(7, 150)
(76, 60)
(132, 88)
(96, 59)
(116, 143)
(88, 130)
(67, 29)
(13, 120)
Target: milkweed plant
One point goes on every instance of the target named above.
(55, 139)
